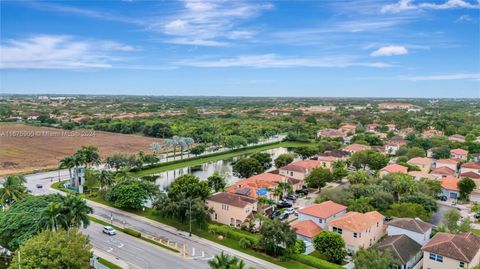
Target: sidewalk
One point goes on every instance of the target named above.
(193, 238)
(111, 258)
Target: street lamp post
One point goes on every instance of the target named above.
(190, 215)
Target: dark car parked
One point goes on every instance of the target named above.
(443, 198)
(292, 197)
(274, 214)
(284, 204)
(302, 191)
(284, 216)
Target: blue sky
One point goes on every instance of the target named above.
(406, 48)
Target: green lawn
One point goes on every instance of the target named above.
(108, 264)
(476, 231)
(217, 157)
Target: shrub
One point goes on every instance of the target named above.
(132, 232)
(244, 243)
(232, 233)
(315, 262)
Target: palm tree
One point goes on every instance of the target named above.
(174, 142)
(283, 188)
(155, 148)
(123, 174)
(188, 142)
(89, 155)
(13, 190)
(51, 218)
(224, 261)
(105, 178)
(68, 162)
(75, 211)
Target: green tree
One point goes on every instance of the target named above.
(466, 186)
(89, 154)
(75, 211)
(20, 221)
(216, 182)
(305, 152)
(190, 185)
(67, 162)
(105, 178)
(224, 261)
(318, 178)
(453, 224)
(247, 167)
(428, 202)
(362, 204)
(48, 249)
(373, 159)
(372, 258)
(441, 153)
(283, 188)
(284, 159)
(197, 150)
(276, 233)
(13, 190)
(235, 141)
(415, 152)
(179, 208)
(359, 177)
(264, 159)
(131, 193)
(331, 246)
(408, 210)
(402, 184)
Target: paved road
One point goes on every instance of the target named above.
(197, 248)
(437, 217)
(137, 253)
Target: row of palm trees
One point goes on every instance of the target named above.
(173, 143)
(71, 212)
(87, 155)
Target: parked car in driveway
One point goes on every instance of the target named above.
(291, 197)
(109, 230)
(302, 191)
(274, 214)
(284, 204)
(290, 210)
(443, 198)
(283, 216)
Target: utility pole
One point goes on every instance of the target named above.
(190, 215)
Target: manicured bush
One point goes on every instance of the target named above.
(232, 233)
(244, 243)
(315, 262)
(132, 232)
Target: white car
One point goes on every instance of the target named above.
(290, 210)
(109, 230)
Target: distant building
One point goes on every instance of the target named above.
(299, 169)
(431, 133)
(322, 213)
(450, 187)
(393, 168)
(442, 172)
(330, 133)
(348, 128)
(417, 175)
(425, 164)
(457, 138)
(351, 149)
(450, 163)
(459, 154)
(394, 105)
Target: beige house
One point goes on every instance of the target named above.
(470, 167)
(452, 251)
(299, 170)
(231, 209)
(358, 230)
(459, 154)
(425, 164)
(450, 163)
(327, 161)
(393, 168)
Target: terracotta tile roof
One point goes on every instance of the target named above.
(460, 247)
(395, 168)
(459, 151)
(307, 228)
(330, 133)
(356, 147)
(414, 225)
(449, 183)
(335, 153)
(348, 126)
(420, 174)
(357, 222)
(443, 171)
(447, 161)
(301, 166)
(250, 185)
(323, 210)
(420, 161)
(401, 247)
(470, 174)
(327, 158)
(471, 165)
(231, 199)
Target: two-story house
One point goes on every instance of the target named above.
(358, 230)
(442, 172)
(416, 229)
(460, 154)
(322, 213)
(450, 163)
(424, 163)
(351, 149)
(299, 169)
(231, 209)
(450, 187)
(403, 249)
(393, 168)
(452, 251)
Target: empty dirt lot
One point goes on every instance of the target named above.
(25, 148)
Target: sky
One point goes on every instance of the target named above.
(363, 48)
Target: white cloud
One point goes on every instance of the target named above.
(457, 76)
(409, 5)
(390, 51)
(59, 52)
(275, 61)
(209, 23)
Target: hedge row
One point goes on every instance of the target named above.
(232, 233)
(132, 232)
(315, 262)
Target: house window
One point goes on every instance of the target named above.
(215, 215)
(320, 220)
(462, 265)
(435, 257)
(291, 173)
(337, 230)
(355, 235)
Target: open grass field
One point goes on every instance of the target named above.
(25, 148)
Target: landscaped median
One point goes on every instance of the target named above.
(134, 233)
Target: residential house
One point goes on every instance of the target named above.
(391, 127)
(470, 167)
(322, 213)
(265, 181)
(476, 156)
(372, 127)
(231, 209)
(416, 229)
(340, 154)
(351, 149)
(430, 153)
(424, 163)
(431, 133)
(452, 251)
(348, 128)
(393, 168)
(442, 172)
(306, 230)
(403, 249)
(327, 161)
(392, 148)
(450, 187)
(450, 163)
(358, 229)
(394, 105)
(330, 133)
(299, 169)
(459, 154)
(457, 138)
(417, 175)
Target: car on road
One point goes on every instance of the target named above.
(39, 186)
(291, 197)
(284, 216)
(109, 230)
(284, 204)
